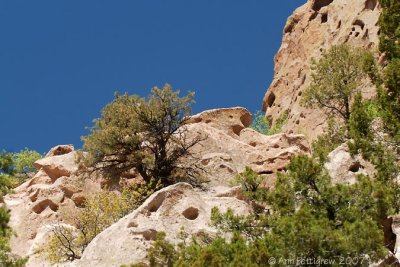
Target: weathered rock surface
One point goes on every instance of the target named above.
(58, 165)
(171, 210)
(36, 203)
(396, 231)
(230, 146)
(313, 28)
(343, 168)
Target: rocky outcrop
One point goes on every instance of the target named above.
(36, 204)
(230, 146)
(58, 165)
(171, 210)
(313, 28)
(343, 168)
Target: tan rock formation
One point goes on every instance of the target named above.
(311, 29)
(36, 203)
(230, 146)
(58, 166)
(171, 210)
(343, 168)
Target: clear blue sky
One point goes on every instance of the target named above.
(61, 61)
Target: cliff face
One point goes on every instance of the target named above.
(313, 28)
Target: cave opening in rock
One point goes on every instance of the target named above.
(359, 23)
(271, 99)
(370, 4)
(318, 4)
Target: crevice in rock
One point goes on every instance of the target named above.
(191, 213)
(156, 203)
(265, 172)
(290, 25)
(313, 16)
(324, 18)
(389, 236)
(366, 34)
(34, 196)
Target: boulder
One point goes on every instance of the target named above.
(171, 210)
(343, 168)
(59, 165)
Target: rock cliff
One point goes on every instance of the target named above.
(313, 28)
(229, 147)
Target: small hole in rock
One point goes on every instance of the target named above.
(191, 213)
(355, 167)
(150, 234)
(132, 224)
(237, 129)
(324, 18)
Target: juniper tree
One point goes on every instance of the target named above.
(148, 135)
(335, 80)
